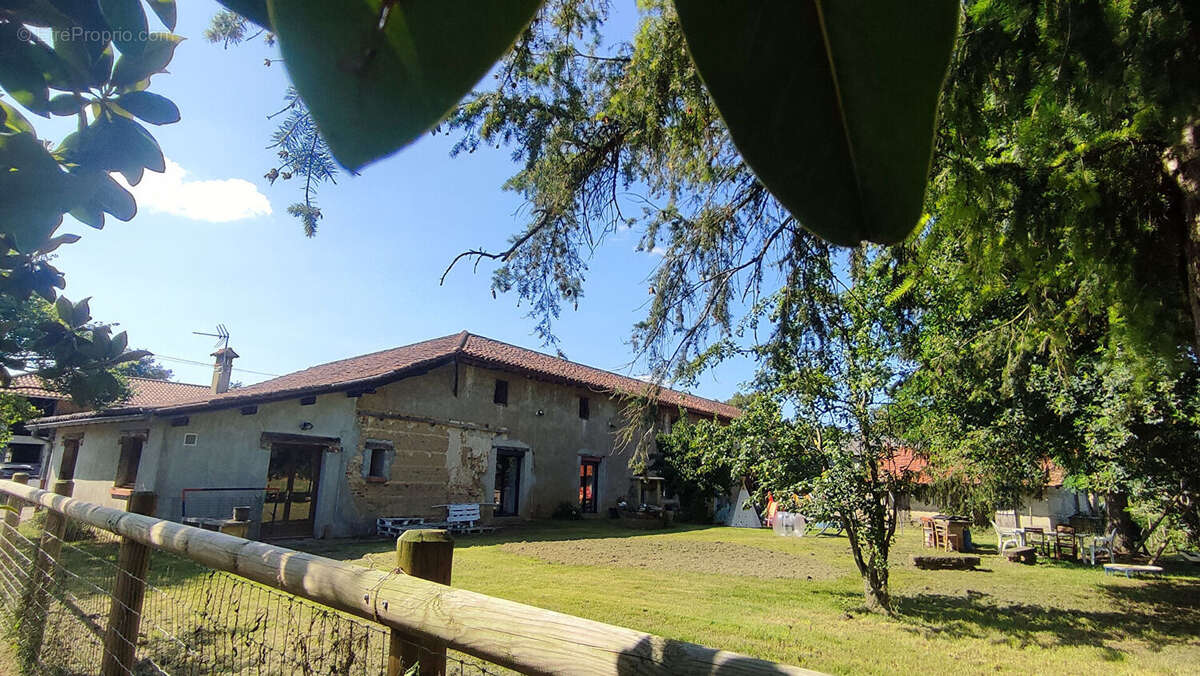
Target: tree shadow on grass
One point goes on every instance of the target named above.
(664, 655)
(1157, 613)
(533, 531)
(549, 531)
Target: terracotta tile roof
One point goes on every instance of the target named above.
(149, 392)
(378, 368)
(29, 385)
(906, 459)
(145, 392)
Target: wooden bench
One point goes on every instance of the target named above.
(1131, 569)
(945, 562)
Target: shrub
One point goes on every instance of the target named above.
(566, 512)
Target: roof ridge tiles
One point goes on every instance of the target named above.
(398, 362)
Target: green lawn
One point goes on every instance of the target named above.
(798, 600)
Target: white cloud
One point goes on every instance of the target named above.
(658, 251)
(215, 201)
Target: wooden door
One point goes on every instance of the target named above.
(291, 499)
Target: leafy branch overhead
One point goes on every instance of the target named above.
(92, 61)
(832, 105)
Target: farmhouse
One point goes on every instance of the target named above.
(1055, 504)
(27, 448)
(402, 432)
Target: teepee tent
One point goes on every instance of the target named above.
(743, 515)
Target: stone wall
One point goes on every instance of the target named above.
(445, 427)
(417, 476)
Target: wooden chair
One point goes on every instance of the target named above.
(1036, 538)
(943, 538)
(1064, 543)
(928, 531)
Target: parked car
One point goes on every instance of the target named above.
(8, 469)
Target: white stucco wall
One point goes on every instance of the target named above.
(228, 453)
(96, 466)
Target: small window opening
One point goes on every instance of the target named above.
(308, 401)
(585, 408)
(378, 463)
(127, 465)
(249, 410)
(190, 439)
(500, 395)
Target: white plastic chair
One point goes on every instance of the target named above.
(1102, 545)
(1005, 538)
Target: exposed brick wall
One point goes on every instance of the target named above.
(419, 478)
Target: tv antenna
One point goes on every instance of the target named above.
(222, 336)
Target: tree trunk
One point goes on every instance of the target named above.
(1120, 520)
(875, 590)
(1182, 163)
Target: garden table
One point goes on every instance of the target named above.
(957, 527)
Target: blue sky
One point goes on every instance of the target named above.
(212, 242)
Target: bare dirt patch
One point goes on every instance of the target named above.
(691, 556)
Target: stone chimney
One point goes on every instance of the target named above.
(222, 369)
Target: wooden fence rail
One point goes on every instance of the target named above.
(520, 637)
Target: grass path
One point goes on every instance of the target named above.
(798, 600)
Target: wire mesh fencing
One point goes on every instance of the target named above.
(58, 604)
(219, 503)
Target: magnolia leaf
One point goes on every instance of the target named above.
(116, 200)
(165, 11)
(373, 90)
(82, 314)
(20, 74)
(832, 104)
(119, 343)
(114, 143)
(254, 10)
(127, 20)
(132, 355)
(91, 214)
(66, 104)
(149, 107)
(55, 242)
(64, 308)
(102, 67)
(131, 68)
(34, 192)
(11, 120)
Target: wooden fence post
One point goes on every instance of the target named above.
(12, 521)
(35, 605)
(429, 555)
(129, 590)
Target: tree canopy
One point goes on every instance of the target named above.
(60, 59)
(1055, 281)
